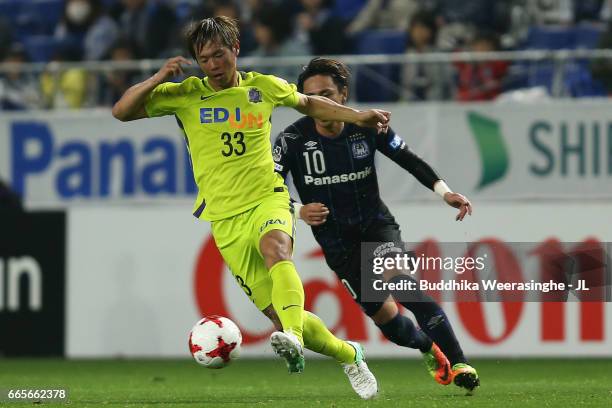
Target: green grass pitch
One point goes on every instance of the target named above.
(265, 383)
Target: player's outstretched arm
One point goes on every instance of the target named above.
(131, 106)
(397, 150)
(322, 108)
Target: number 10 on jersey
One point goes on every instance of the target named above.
(317, 159)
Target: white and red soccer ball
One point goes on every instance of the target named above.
(215, 341)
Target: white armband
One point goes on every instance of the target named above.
(296, 208)
(441, 188)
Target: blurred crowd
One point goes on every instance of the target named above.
(120, 30)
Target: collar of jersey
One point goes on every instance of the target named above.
(342, 135)
(241, 76)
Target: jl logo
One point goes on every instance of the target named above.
(493, 152)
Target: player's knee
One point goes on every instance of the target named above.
(389, 274)
(385, 314)
(274, 251)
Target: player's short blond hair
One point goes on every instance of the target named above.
(222, 29)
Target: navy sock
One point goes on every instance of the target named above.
(433, 322)
(403, 332)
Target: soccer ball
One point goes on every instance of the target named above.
(215, 341)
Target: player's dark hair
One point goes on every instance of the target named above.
(335, 69)
(221, 29)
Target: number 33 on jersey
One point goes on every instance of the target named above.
(228, 136)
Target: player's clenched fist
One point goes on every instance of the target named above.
(171, 68)
(314, 213)
(374, 118)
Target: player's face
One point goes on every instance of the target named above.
(323, 85)
(219, 64)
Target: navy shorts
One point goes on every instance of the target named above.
(383, 229)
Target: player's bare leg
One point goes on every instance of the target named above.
(287, 291)
(287, 298)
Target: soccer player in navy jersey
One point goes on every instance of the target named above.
(332, 164)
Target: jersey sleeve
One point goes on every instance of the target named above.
(165, 99)
(279, 91)
(281, 156)
(394, 147)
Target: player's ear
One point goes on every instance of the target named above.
(344, 94)
(236, 49)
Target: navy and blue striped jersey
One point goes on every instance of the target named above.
(340, 173)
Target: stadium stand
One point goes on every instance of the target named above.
(33, 24)
(380, 87)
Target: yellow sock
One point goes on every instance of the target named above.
(288, 297)
(319, 339)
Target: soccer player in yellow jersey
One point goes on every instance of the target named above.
(226, 120)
